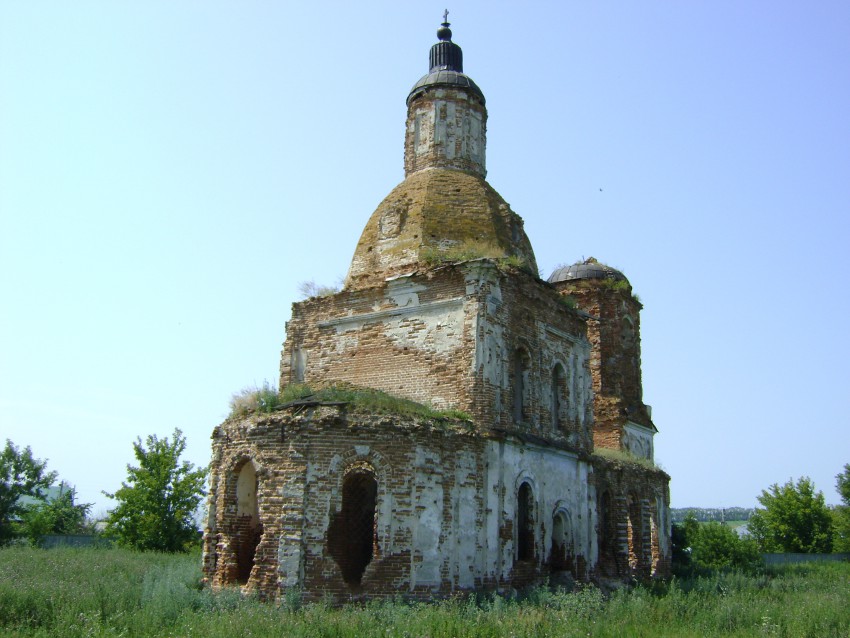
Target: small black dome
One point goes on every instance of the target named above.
(588, 269)
(452, 79)
(445, 66)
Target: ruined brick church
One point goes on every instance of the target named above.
(551, 475)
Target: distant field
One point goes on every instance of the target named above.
(110, 592)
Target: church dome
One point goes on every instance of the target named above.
(447, 78)
(437, 215)
(587, 269)
(445, 67)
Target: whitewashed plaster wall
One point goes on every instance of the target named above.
(639, 440)
(559, 483)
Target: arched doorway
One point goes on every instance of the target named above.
(351, 536)
(248, 526)
(561, 555)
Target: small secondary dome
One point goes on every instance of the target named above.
(587, 269)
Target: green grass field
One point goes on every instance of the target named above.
(111, 592)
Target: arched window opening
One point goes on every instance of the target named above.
(249, 530)
(351, 536)
(559, 398)
(525, 523)
(520, 365)
(561, 556)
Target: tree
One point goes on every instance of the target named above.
(718, 546)
(793, 518)
(59, 516)
(20, 475)
(841, 514)
(711, 545)
(157, 503)
(842, 484)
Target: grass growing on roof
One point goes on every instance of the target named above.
(268, 399)
(622, 456)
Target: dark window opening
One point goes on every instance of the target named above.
(558, 396)
(607, 536)
(351, 536)
(519, 368)
(525, 523)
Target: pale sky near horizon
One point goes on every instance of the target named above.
(170, 172)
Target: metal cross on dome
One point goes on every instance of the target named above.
(445, 16)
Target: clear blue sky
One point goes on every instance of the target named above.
(169, 173)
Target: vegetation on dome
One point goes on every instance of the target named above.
(614, 284)
(569, 301)
(268, 399)
(470, 250)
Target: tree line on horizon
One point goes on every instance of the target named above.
(706, 514)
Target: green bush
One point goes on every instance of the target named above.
(703, 547)
(718, 546)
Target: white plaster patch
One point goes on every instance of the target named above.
(403, 292)
(436, 329)
(638, 440)
(427, 499)
(465, 520)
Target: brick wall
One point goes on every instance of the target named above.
(613, 331)
(634, 513)
(445, 507)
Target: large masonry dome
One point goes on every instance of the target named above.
(444, 211)
(431, 216)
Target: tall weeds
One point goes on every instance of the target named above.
(112, 592)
